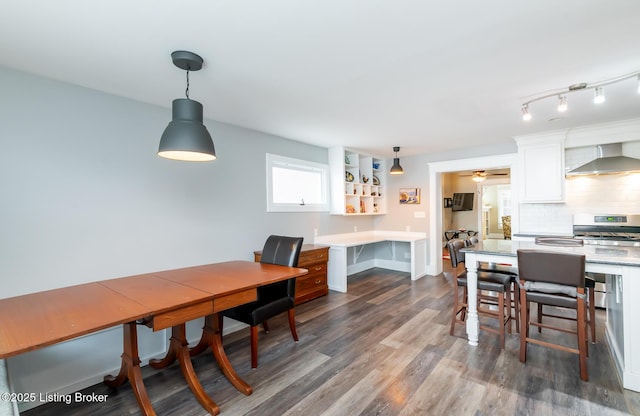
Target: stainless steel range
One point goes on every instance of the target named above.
(606, 230)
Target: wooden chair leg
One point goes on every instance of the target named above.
(539, 317)
(501, 317)
(507, 318)
(465, 300)
(592, 314)
(582, 339)
(265, 325)
(516, 301)
(254, 346)
(455, 308)
(524, 325)
(292, 323)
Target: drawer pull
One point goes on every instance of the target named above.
(318, 268)
(318, 281)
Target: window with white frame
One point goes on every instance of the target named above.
(296, 185)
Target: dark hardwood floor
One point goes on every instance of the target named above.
(382, 349)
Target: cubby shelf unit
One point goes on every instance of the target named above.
(357, 183)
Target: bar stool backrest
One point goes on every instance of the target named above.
(551, 267)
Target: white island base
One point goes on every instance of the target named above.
(622, 267)
(351, 253)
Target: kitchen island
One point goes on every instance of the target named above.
(622, 267)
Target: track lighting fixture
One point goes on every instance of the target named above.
(396, 169)
(562, 94)
(186, 138)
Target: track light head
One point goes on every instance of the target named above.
(598, 97)
(562, 103)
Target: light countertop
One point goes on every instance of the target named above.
(368, 237)
(624, 256)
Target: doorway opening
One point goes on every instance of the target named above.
(436, 173)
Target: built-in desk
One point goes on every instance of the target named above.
(621, 264)
(412, 257)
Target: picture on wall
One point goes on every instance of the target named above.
(409, 195)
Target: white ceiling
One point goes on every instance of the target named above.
(428, 76)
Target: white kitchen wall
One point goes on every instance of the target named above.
(605, 194)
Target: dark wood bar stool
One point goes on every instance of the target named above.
(510, 271)
(555, 279)
(487, 283)
(589, 284)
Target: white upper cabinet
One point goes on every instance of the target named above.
(357, 183)
(541, 160)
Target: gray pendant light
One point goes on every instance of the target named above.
(396, 169)
(186, 138)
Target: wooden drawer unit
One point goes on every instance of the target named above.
(314, 284)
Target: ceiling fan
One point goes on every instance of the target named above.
(481, 175)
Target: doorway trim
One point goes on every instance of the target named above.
(436, 169)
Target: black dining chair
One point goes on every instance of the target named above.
(494, 294)
(273, 299)
(554, 279)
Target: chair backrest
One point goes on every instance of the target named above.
(283, 251)
(455, 255)
(551, 267)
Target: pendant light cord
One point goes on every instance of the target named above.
(187, 90)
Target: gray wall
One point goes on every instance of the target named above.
(86, 198)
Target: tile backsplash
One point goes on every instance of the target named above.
(606, 194)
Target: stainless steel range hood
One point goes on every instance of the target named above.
(609, 160)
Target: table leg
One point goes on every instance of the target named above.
(201, 346)
(179, 349)
(212, 336)
(473, 324)
(130, 369)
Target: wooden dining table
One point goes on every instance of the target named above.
(159, 300)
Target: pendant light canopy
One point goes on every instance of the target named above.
(396, 169)
(186, 138)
